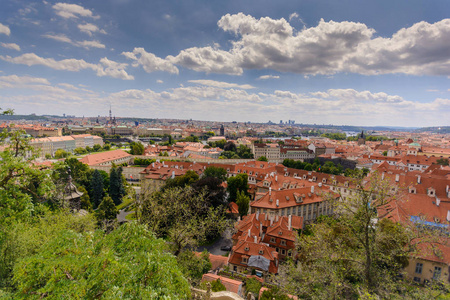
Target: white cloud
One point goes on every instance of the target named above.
(14, 79)
(68, 11)
(106, 67)
(263, 77)
(4, 29)
(149, 61)
(159, 81)
(222, 84)
(327, 48)
(12, 46)
(293, 15)
(84, 44)
(89, 29)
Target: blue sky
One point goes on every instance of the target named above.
(325, 62)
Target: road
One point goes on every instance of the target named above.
(225, 240)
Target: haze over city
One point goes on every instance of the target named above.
(327, 62)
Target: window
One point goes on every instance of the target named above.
(419, 268)
(272, 240)
(283, 243)
(261, 251)
(235, 268)
(283, 252)
(437, 273)
(244, 260)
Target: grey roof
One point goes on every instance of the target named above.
(259, 261)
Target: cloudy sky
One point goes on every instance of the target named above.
(326, 62)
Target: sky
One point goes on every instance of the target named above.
(348, 62)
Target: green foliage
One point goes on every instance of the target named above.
(80, 150)
(262, 158)
(385, 153)
(22, 238)
(244, 152)
(252, 285)
(443, 161)
(274, 293)
(116, 185)
(106, 211)
(216, 172)
(97, 188)
(144, 162)
(217, 144)
(192, 138)
(181, 181)
(182, 215)
(96, 147)
(243, 202)
(85, 201)
(128, 263)
(237, 183)
(136, 148)
(335, 136)
(327, 167)
(192, 266)
(60, 153)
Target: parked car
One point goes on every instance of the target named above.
(225, 248)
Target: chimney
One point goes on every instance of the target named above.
(418, 179)
(397, 177)
(278, 204)
(289, 222)
(260, 229)
(257, 215)
(448, 215)
(239, 218)
(446, 189)
(255, 238)
(312, 189)
(270, 191)
(153, 164)
(249, 233)
(382, 176)
(173, 174)
(438, 201)
(265, 217)
(276, 178)
(271, 222)
(277, 218)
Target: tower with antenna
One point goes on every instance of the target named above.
(110, 114)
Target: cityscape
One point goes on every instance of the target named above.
(255, 150)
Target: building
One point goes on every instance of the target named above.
(107, 158)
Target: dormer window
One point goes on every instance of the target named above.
(244, 260)
(286, 174)
(304, 176)
(261, 252)
(228, 169)
(287, 198)
(280, 232)
(256, 173)
(346, 184)
(246, 248)
(314, 178)
(283, 243)
(324, 180)
(431, 192)
(295, 174)
(272, 240)
(412, 190)
(250, 173)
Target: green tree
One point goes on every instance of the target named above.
(216, 172)
(182, 215)
(128, 263)
(262, 158)
(243, 202)
(60, 153)
(443, 161)
(97, 188)
(235, 184)
(116, 185)
(274, 293)
(181, 181)
(136, 148)
(193, 266)
(252, 285)
(85, 201)
(97, 147)
(106, 211)
(244, 152)
(106, 147)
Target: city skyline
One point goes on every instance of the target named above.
(322, 62)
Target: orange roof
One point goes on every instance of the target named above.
(231, 285)
(98, 158)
